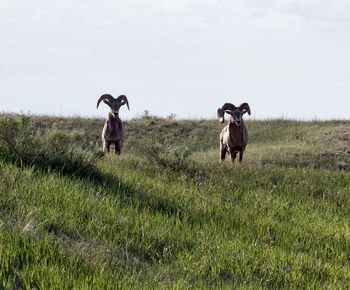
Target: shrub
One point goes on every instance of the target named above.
(175, 159)
(52, 150)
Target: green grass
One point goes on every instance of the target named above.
(156, 217)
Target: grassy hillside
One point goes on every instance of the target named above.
(278, 142)
(166, 213)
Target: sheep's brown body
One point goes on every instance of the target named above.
(233, 140)
(113, 130)
(234, 137)
(113, 133)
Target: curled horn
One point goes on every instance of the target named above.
(105, 97)
(125, 99)
(245, 107)
(222, 110)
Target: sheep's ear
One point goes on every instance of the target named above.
(221, 115)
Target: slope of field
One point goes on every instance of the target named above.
(318, 144)
(166, 213)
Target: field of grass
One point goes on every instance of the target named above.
(166, 213)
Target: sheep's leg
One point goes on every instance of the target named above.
(233, 155)
(241, 156)
(106, 147)
(223, 152)
(118, 147)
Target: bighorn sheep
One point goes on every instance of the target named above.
(113, 129)
(234, 137)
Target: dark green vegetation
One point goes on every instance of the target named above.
(166, 213)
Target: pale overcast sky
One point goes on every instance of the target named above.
(286, 58)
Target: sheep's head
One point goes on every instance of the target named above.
(236, 113)
(113, 103)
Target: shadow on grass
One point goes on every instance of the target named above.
(84, 167)
(70, 164)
